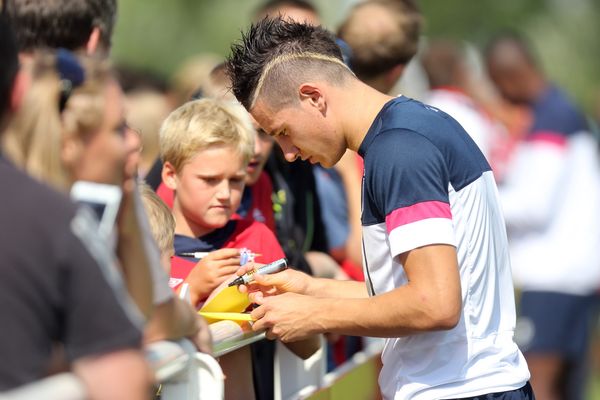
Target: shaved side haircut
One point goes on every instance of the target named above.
(277, 55)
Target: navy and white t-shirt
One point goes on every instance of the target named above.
(426, 182)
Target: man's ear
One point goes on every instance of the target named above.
(92, 44)
(313, 94)
(169, 175)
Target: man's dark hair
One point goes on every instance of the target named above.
(271, 39)
(60, 23)
(378, 47)
(275, 4)
(9, 65)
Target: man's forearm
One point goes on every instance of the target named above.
(398, 313)
(322, 287)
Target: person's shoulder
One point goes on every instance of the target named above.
(556, 112)
(250, 227)
(251, 232)
(31, 197)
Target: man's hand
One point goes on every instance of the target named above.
(286, 281)
(211, 271)
(287, 316)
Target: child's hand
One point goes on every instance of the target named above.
(211, 271)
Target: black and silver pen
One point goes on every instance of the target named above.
(271, 268)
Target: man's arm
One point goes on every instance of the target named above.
(294, 281)
(431, 300)
(116, 375)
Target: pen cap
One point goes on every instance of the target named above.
(273, 267)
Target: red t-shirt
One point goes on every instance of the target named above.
(252, 235)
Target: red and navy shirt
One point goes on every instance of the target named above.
(252, 235)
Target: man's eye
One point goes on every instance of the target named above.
(283, 132)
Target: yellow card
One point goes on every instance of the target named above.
(226, 299)
(231, 316)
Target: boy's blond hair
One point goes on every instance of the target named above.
(200, 124)
(162, 222)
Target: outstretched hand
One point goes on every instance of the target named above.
(286, 281)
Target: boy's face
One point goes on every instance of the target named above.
(208, 189)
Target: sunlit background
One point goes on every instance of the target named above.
(160, 35)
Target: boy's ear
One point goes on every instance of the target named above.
(169, 175)
(312, 93)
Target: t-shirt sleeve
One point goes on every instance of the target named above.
(99, 315)
(406, 187)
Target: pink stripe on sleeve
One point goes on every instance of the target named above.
(417, 212)
(550, 137)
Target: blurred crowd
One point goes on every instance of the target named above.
(202, 186)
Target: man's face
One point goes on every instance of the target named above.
(302, 131)
(510, 82)
(209, 188)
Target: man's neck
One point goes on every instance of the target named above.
(361, 104)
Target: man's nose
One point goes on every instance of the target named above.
(290, 152)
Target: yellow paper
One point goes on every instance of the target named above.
(231, 316)
(226, 299)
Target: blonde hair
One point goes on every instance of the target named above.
(162, 222)
(34, 139)
(200, 124)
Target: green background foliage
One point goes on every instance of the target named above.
(159, 35)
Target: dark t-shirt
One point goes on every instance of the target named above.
(58, 283)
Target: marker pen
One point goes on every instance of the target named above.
(271, 268)
(195, 254)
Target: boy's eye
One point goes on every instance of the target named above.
(283, 132)
(211, 181)
(238, 180)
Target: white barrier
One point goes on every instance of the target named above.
(183, 372)
(64, 386)
(294, 376)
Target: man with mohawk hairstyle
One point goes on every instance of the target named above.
(438, 279)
